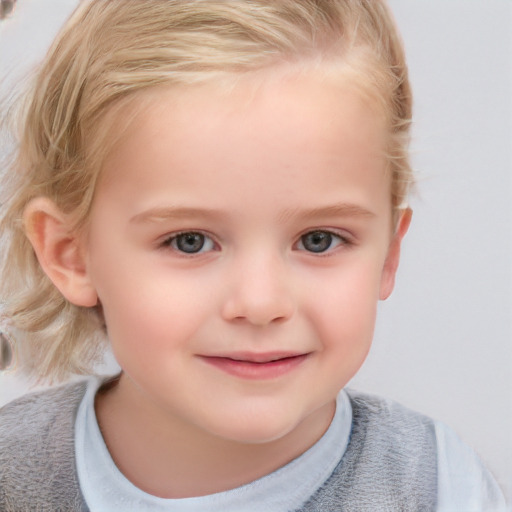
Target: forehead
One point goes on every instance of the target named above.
(282, 133)
(310, 82)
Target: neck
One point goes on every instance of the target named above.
(170, 458)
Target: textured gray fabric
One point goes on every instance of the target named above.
(37, 454)
(390, 463)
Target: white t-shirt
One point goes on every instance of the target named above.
(464, 485)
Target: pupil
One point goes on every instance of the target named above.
(317, 241)
(190, 242)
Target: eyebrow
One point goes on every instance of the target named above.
(174, 212)
(334, 210)
(160, 214)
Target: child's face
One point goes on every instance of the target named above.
(238, 246)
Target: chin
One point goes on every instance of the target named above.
(256, 431)
(257, 436)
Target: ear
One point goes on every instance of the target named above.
(59, 250)
(387, 282)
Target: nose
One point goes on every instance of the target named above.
(259, 292)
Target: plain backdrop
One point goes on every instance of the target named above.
(443, 343)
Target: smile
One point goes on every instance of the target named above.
(256, 366)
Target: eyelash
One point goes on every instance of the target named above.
(343, 240)
(172, 242)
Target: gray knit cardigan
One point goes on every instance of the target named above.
(390, 463)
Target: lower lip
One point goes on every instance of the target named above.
(256, 371)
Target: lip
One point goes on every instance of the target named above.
(253, 366)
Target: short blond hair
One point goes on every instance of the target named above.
(106, 53)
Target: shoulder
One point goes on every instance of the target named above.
(389, 463)
(415, 444)
(393, 438)
(32, 418)
(37, 446)
(46, 400)
(464, 481)
(381, 417)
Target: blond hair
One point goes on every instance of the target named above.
(110, 50)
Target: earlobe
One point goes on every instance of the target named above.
(58, 250)
(393, 257)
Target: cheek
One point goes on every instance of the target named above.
(346, 309)
(148, 314)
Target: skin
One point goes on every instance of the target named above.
(253, 171)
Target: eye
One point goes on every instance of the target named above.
(190, 242)
(319, 241)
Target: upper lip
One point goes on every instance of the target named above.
(257, 357)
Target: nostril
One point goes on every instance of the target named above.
(261, 295)
(257, 313)
(279, 320)
(6, 8)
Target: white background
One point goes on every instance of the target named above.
(443, 343)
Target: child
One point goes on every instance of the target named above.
(218, 188)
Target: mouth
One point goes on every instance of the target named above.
(255, 366)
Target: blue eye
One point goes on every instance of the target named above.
(190, 242)
(319, 241)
